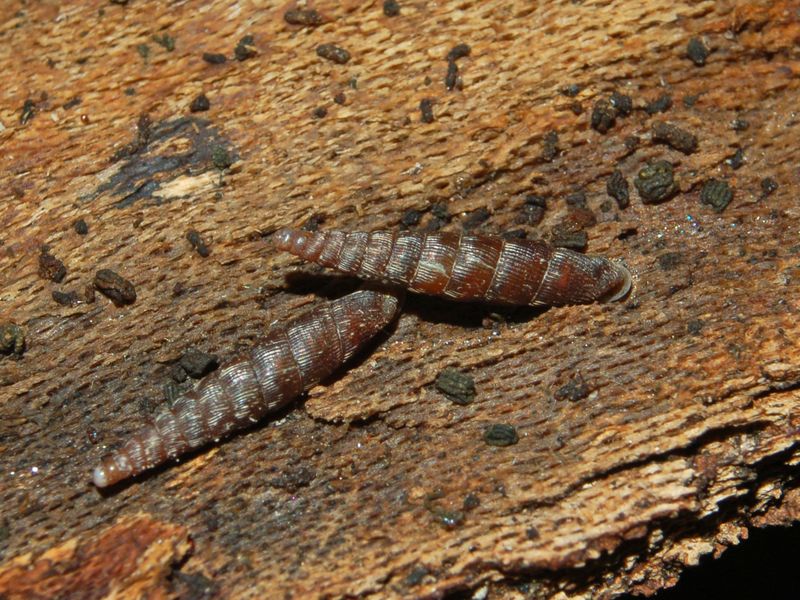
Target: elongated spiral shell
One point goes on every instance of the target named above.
(465, 267)
(292, 358)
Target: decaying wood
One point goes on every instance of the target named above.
(651, 432)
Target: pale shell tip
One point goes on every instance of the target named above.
(99, 477)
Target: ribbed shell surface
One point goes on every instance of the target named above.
(465, 267)
(292, 358)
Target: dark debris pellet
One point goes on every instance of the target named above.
(320, 112)
(72, 102)
(340, 98)
(691, 100)
(12, 339)
(333, 53)
(697, 51)
(177, 373)
(768, 186)
(532, 211)
(736, 161)
(166, 41)
(116, 288)
(391, 8)
(574, 390)
(457, 386)
(604, 115)
(515, 234)
(214, 58)
(571, 90)
(475, 218)
(576, 199)
(471, 502)
(313, 222)
(50, 267)
(198, 243)
(452, 79)
(88, 293)
(458, 51)
(617, 187)
(740, 124)
(674, 137)
(27, 112)
(80, 227)
(198, 364)
(200, 104)
(572, 240)
(410, 218)
(306, 17)
(550, 146)
(656, 182)
(245, 48)
(426, 110)
(66, 298)
(622, 103)
(500, 434)
(695, 327)
(717, 194)
(221, 158)
(532, 533)
(416, 576)
(440, 211)
(661, 104)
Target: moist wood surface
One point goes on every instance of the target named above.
(651, 432)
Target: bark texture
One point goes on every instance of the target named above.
(651, 432)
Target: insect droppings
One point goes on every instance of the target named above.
(50, 267)
(12, 339)
(656, 182)
(307, 17)
(457, 386)
(674, 137)
(500, 434)
(333, 53)
(115, 287)
(717, 194)
(465, 267)
(617, 187)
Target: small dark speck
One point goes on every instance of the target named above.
(118, 289)
(697, 51)
(80, 227)
(604, 115)
(130, 91)
(550, 146)
(198, 364)
(475, 218)
(320, 112)
(740, 125)
(340, 98)
(661, 104)
(452, 79)
(221, 158)
(50, 267)
(656, 182)
(674, 137)
(690, 101)
(576, 108)
(471, 501)
(416, 576)
(245, 48)
(576, 199)
(571, 90)
(166, 41)
(144, 51)
(66, 298)
(391, 8)
(197, 243)
(669, 260)
(622, 103)
(313, 222)
(28, 110)
(72, 103)
(695, 326)
(306, 17)
(532, 533)
(768, 186)
(214, 58)
(426, 110)
(532, 211)
(500, 434)
(458, 51)
(574, 390)
(717, 194)
(410, 218)
(333, 53)
(200, 104)
(617, 187)
(736, 160)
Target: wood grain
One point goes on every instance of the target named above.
(685, 430)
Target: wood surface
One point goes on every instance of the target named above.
(684, 434)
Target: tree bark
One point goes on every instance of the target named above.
(651, 432)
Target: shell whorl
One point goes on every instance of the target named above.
(465, 267)
(292, 358)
